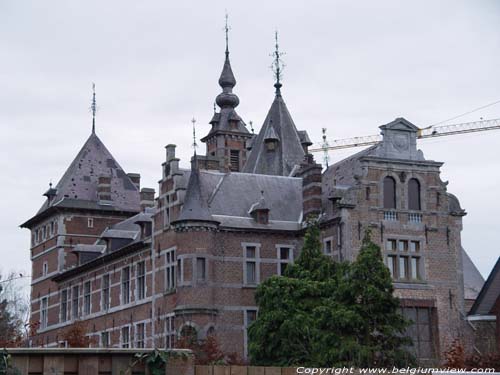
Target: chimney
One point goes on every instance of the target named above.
(311, 175)
(104, 189)
(136, 179)
(147, 198)
(170, 152)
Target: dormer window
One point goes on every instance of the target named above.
(262, 216)
(260, 211)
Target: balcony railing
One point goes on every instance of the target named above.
(414, 217)
(390, 215)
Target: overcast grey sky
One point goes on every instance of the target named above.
(350, 66)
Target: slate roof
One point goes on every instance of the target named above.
(289, 151)
(229, 198)
(489, 294)
(473, 280)
(78, 186)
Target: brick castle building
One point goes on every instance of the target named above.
(140, 270)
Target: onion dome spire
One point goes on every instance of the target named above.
(227, 81)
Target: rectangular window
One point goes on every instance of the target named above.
(250, 317)
(169, 332)
(86, 298)
(201, 269)
(414, 246)
(421, 331)
(125, 337)
(251, 265)
(104, 339)
(105, 302)
(180, 272)
(235, 160)
(44, 232)
(45, 269)
(327, 247)
(64, 305)
(90, 222)
(44, 312)
(285, 257)
(391, 264)
(404, 261)
(51, 228)
(125, 285)
(415, 272)
(403, 245)
(75, 297)
(170, 278)
(403, 267)
(390, 245)
(139, 335)
(141, 280)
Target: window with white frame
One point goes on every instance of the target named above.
(125, 285)
(180, 271)
(36, 236)
(75, 295)
(64, 305)
(105, 300)
(251, 265)
(44, 232)
(404, 259)
(170, 277)
(328, 246)
(52, 228)
(90, 222)
(45, 269)
(125, 337)
(201, 269)
(285, 257)
(104, 339)
(86, 297)
(44, 306)
(249, 318)
(169, 332)
(141, 280)
(140, 329)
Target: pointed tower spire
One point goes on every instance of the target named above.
(93, 107)
(277, 65)
(195, 145)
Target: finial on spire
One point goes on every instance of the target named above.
(226, 30)
(93, 107)
(278, 64)
(193, 121)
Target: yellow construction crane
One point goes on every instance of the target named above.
(427, 132)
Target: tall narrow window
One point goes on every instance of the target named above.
(44, 312)
(201, 269)
(125, 285)
(75, 296)
(414, 194)
(105, 292)
(249, 318)
(141, 280)
(64, 305)
(169, 332)
(170, 263)
(389, 192)
(140, 335)
(104, 339)
(86, 298)
(125, 337)
(90, 222)
(285, 257)
(251, 271)
(235, 160)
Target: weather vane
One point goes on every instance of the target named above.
(226, 30)
(93, 107)
(193, 120)
(278, 66)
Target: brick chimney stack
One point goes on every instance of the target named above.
(104, 189)
(147, 198)
(311, 175)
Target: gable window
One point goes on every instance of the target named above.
(140, 335)
(285, 257)
(414, 194)
(64, 305)
(44, 312)
(403, 259)
(86, 297)
(170, 263)
(141, 279)
(201, 269)
(75, 295)
(105, 292)
(125, 337)
(389, 192)
(125, 285)
(251, 270)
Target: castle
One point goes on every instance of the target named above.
(142, 270)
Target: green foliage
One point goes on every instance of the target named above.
(323, 313)
(6, 364)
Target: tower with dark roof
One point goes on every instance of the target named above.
(227, 139)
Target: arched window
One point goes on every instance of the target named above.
(414, 194)
(389, 192)
(189, 335)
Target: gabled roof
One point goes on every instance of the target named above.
(473, 280)
(78, 186)
(489, 294)
(400, 123)
(288, 152)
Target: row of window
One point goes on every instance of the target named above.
(390, 196)
(404, 259)
(48, 231)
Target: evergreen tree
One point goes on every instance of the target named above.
(322, 313)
